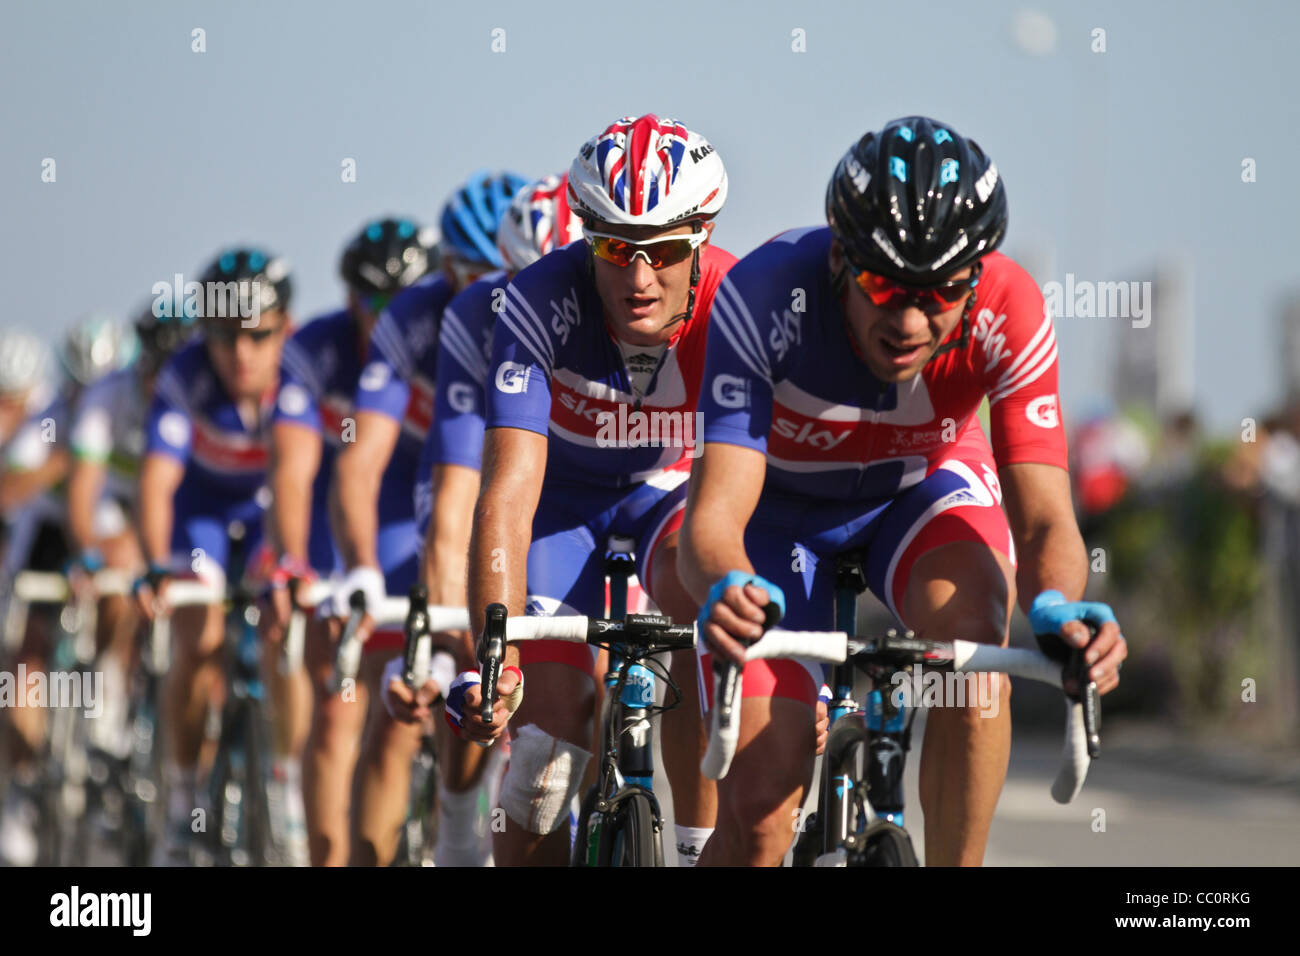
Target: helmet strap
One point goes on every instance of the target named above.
(964, 339)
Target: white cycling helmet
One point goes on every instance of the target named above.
(24, 362)
(644, 171)
(97, 345)
(537, 221)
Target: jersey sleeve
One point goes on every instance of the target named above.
(92, 423)
(456, 436)
(739, 368)
(384, 385)
(1024, 408)
(169, 428)
(523, 356)
(298, 400)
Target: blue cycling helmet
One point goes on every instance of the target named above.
(470, 216)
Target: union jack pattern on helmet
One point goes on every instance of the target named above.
(537, 221)
(644, 171)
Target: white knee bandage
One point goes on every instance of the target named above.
(542, 779)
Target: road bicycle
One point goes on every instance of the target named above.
(859, 821)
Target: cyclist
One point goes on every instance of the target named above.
(318, 378)
(613, 325)
(33, 459)
(372, 511)
(537, 221)
(204, 466)
(107, 441)
(845, 369)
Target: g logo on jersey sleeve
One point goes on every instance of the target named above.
(374, 377)
(1043, 412)
(460, 397)
(294, 400)
(730, 391)
(174, 428)
(512, 378)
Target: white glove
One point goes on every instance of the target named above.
(369, 581)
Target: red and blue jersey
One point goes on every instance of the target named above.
(398, 379)
(194, 420)
(783, 378)
(556, 370)
(319, 371)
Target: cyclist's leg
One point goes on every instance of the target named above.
(464, 835)
(195, 679)
(943, 563)
(116, 626)
(684, 738)
(330, 753)
(552, 729)
(381, 787)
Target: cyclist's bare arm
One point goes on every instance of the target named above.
(18, 486)
(514, 462)
(85, 485)
(1051, 556)
(446, 542)
(295, 456)
(725, 486)
(160, 476)
(354, 493)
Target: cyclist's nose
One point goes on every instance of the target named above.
(640, 274)
(909, 323)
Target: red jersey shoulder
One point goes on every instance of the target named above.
(1010, 327)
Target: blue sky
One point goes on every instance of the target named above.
(1113, 161)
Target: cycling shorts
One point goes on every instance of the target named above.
(566, 560)
(793, 542)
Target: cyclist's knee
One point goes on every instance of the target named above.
(961, 591)
(542, 779)
(197, 635)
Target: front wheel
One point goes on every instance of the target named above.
(631, 833)
(885, 844)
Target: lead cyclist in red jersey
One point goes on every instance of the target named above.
(845, 369)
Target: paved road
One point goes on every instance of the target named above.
(1153, 816)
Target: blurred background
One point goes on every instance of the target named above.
(1148, 152)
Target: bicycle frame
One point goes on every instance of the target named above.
(626, 735)
(883, 727)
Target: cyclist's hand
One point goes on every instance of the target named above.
(738, 613)
(275, 620)
(151, 592)
(465, 701)
(405, 705)
(81, 575)
(822, 725)
(1053, 616)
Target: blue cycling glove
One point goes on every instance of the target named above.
(1050, 610)
(774, 593)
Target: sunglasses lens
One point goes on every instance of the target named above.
(661, 254)
(886, 293)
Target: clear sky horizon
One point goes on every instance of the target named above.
(1114, 161)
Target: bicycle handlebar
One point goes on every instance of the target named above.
(836, 647)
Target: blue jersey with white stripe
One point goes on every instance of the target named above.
(319, 371)
(783, 377)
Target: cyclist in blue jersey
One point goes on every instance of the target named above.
(377, 534)
(537, 221)
(845, 370)
(33, 459)
(595, 370)
(204, 467)
(313, 420)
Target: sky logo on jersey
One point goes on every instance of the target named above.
(730, 391)
(512, 378)
(823, 439)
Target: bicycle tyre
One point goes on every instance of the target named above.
(885, 844)
(578, 852)
(256, 836)
(630, 836)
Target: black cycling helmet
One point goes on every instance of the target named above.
(260, 284)
(916, 202)
(162, 330)
(387, 256)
